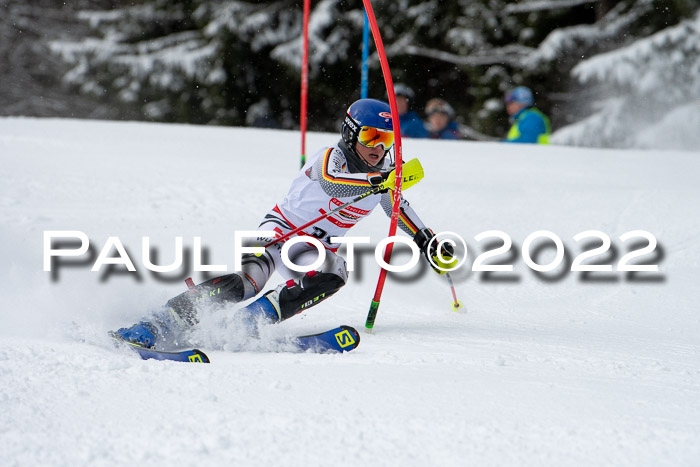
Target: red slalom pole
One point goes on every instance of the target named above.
(374, 307)
(304, 79)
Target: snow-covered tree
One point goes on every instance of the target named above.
(30, 76)
(238, 62)
(207, 61)
(475, 51)
(173, 61)
(648, 93)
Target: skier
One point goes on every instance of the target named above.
(529, 125)
(358, 163)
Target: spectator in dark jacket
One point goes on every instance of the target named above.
(411, 124)
(441, 124)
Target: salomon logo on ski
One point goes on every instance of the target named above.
(344, 338)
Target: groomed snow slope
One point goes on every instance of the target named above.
(559, 368)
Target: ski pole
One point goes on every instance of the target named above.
(456, 304)
(323, 216)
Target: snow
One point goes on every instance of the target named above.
(561, 41)
(673, 129)
(542, 369)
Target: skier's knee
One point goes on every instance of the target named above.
(224, 289)
(256, 270)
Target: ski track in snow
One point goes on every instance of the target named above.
(536, 371)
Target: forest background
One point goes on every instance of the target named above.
(608, 73)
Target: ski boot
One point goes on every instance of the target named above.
(288, 299)
(264, 310)
(164, 328)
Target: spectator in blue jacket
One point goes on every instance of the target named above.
(441, 124)
(529, 125)
(411, 124)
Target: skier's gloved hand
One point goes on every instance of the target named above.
(143, 333)
(380, 180)
(412, 173)
(441, 261)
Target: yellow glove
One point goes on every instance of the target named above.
(412, 173)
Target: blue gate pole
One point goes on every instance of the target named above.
(365, 57)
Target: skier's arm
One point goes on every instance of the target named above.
(423, 236)
(409, 221)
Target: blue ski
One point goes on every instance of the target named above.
(340, 339)
(190, 356)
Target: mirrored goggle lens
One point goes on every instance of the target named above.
(371, 137)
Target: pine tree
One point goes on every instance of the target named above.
(647, 93)
(238, 62)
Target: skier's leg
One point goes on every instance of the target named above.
(180, 313)
(230, 288)
(301, 290)
(313, 288)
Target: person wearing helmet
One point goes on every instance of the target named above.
(441, 124)
(354, 166)
(529, 125)
(411, 124)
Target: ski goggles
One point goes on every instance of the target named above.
(371, 137)
(439, 108)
